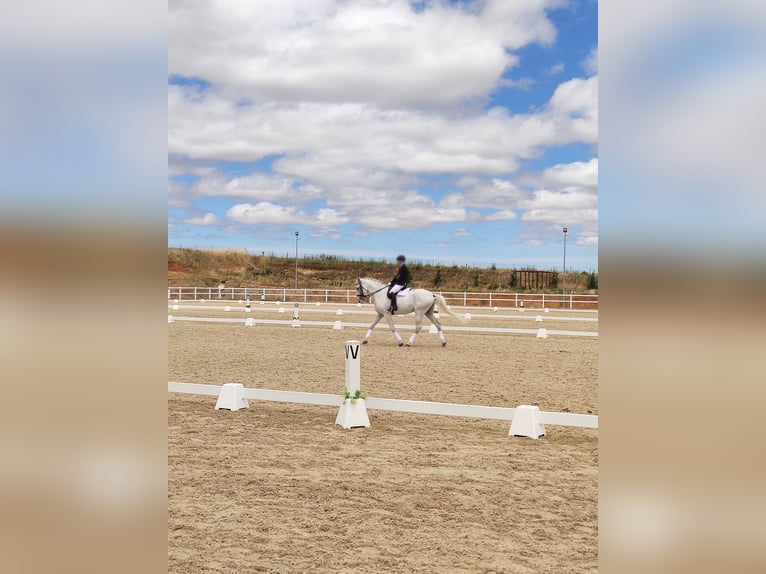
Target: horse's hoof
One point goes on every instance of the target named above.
(444, 344)
(409, 345)
(364, 341)
(401, 344)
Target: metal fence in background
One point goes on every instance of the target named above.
(460, 298)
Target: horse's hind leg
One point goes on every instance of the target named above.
(368, 334)
(435, 320)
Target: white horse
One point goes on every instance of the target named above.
(419, 301)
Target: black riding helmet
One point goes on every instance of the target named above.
(401, 258)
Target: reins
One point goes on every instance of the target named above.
(373, 292)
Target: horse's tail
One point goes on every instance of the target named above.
(444, 307)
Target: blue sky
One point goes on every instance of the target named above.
(457, 133)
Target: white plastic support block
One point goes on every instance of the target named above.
(526, 422)
(318, 303)
(521, 309)
(201, 300)
(281, 309)
(227, 308)
(358, 304)
(170, 319)
(495, 308)
(546, 310)
(337, 326)
(467, 317)
(230, 398)
(542, 333)
(240, 301)
(175, 307)
(538, 319)
(262, 302)
(248, 310)
(249, 322)
(432, 329)
(353, 414)
(339, 312)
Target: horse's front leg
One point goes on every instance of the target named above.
(418, 326)
(393, 328)
(368, 334)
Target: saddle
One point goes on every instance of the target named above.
(404, 292)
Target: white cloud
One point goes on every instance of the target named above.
(331, 145)
(358, 101)
(563, 216)
(461, 232)
(556, 69)
(578, 174)
(590, 63)
(267, 213)
(380, 52)
(206, 219)
(524, 83)
(503, 215)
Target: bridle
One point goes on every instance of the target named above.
(360, 294)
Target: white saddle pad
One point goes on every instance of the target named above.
(404, 292)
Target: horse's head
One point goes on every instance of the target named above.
(361, 292)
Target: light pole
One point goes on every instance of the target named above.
(564, 273)
(297, 237)
(295, 313)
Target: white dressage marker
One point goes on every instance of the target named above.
(353, 412)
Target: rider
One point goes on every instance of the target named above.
(399, 282)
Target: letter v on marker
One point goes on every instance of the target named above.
(354, 351)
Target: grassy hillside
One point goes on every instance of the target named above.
(203, 267)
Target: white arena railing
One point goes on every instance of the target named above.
(573, 301)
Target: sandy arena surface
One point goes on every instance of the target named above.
(280, 488)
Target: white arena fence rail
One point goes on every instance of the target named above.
(397, 405)
(406, 327)
(459, 298)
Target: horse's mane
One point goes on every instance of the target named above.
(374, 282)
